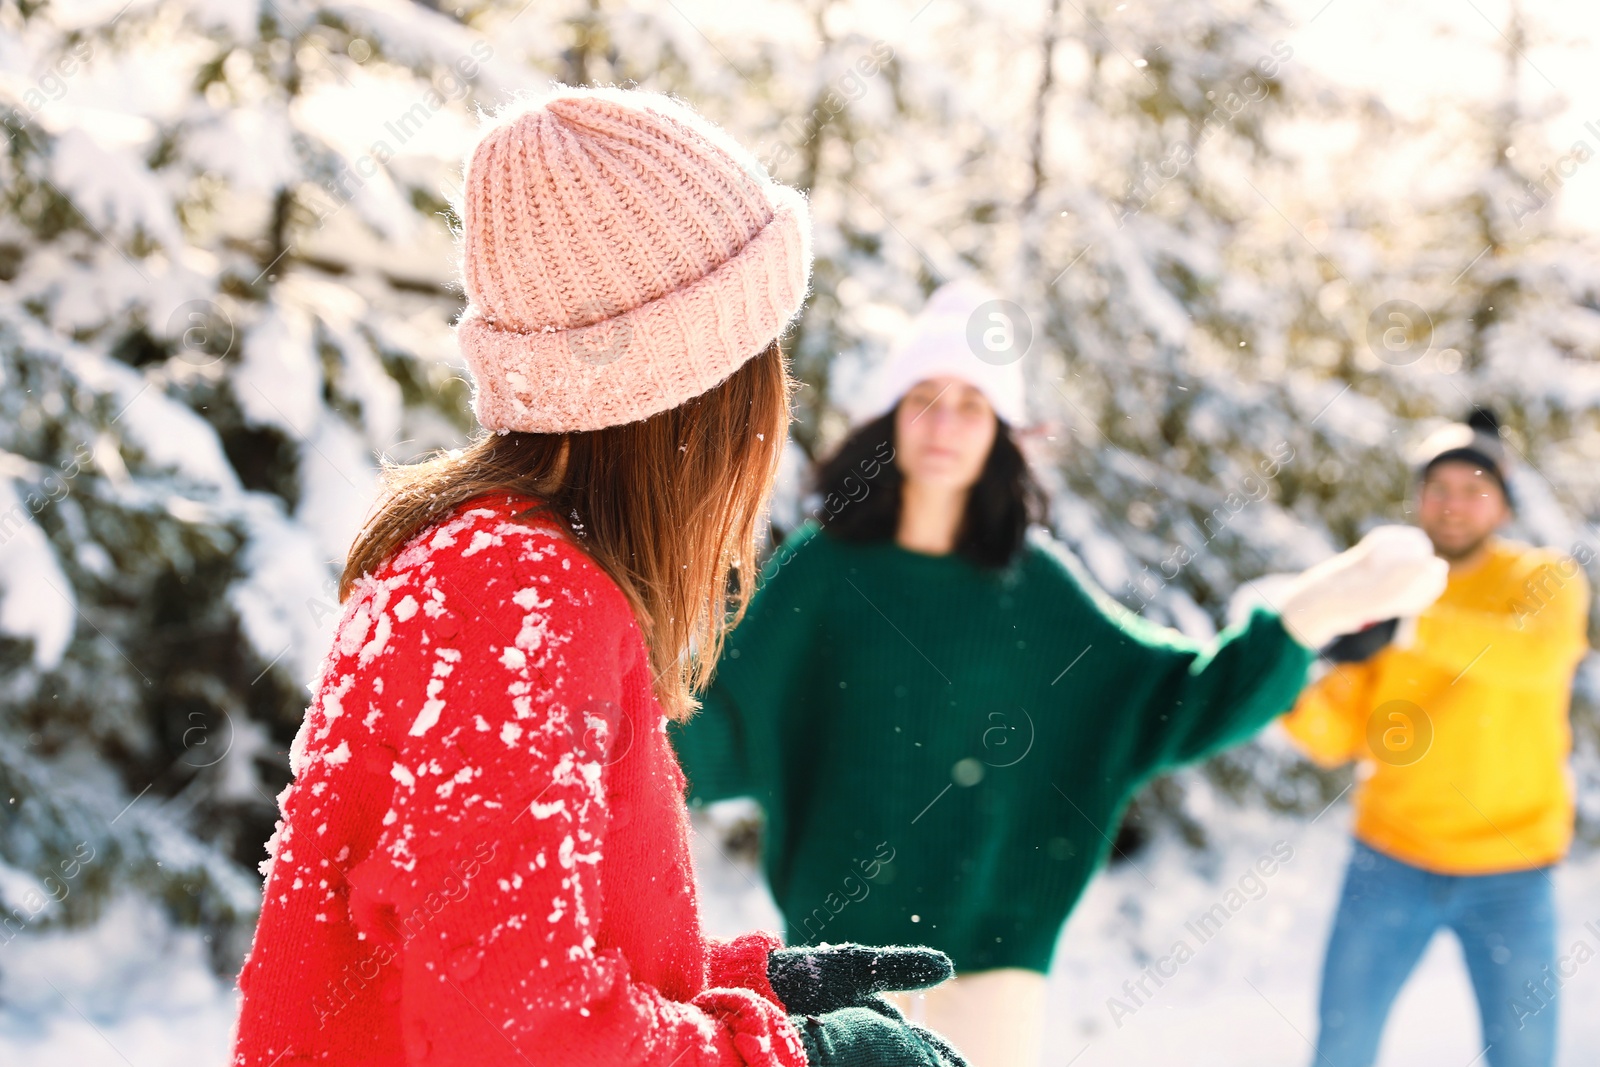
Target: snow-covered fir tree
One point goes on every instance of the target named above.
(226, 290)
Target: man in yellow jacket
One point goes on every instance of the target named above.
(1464, 800)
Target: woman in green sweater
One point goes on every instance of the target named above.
(944, 719)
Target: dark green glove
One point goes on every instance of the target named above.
(873, 1034)
(1363, 644)
(946, 1054)
(811, 981)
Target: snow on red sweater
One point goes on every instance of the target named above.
(483, 857)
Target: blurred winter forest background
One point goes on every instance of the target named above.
(1239, 230)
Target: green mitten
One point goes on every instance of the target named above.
(873, 1035)
(947, 1056)
(811, 981)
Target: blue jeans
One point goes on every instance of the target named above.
(1389, 912)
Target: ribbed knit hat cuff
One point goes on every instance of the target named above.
(649, 359)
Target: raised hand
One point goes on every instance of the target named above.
(1392, 572)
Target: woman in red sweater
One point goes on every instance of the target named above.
(483, 856)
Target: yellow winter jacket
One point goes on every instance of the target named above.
(1464, 737)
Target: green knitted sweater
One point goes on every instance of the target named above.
(943, 753)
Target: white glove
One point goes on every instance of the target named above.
(1392, 572)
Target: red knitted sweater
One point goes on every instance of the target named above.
(483, 857)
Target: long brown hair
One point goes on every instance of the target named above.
(669, 506)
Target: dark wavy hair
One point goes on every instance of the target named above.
(861, 486)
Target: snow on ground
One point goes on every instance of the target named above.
(131, 991)
(134, 992)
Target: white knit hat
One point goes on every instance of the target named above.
(965, 331)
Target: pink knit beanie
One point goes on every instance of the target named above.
(620, 255)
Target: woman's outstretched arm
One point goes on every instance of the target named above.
(1164, 698)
